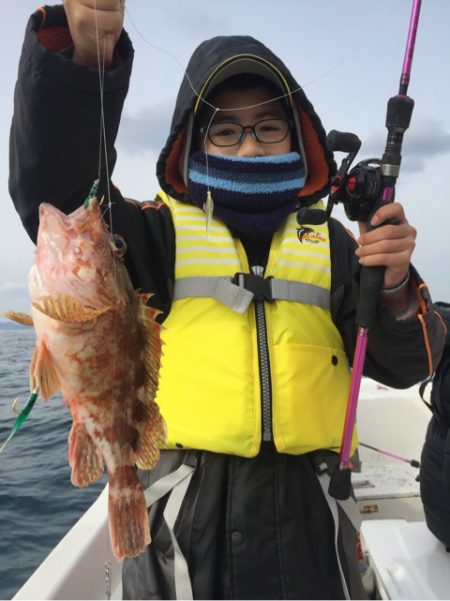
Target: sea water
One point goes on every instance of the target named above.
(38, 503)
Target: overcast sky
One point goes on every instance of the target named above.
(347, 54)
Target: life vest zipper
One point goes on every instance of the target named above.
(264, 364)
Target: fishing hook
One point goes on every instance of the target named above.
(14, 406)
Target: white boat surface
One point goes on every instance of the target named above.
(82, 565)
(407, 561)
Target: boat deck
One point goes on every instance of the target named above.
(394, 420)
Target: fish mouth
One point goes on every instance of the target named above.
(81, 221)
(45, 209)
(51, 218)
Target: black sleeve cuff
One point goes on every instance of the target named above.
(58, 67)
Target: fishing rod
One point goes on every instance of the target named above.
(363, 190)
(411, 462)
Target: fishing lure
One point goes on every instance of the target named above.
(21, 417)
(208, 207)
(92, 193)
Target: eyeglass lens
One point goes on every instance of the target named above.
(267, 131)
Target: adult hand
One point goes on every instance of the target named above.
(92, 19)
(389, 245)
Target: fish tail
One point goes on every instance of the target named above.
(84, 457)
(128, 517)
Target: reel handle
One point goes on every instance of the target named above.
(343, 141)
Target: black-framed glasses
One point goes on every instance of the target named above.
(267, 131)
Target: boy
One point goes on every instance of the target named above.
(258, 312)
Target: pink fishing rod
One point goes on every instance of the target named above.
(398, 117)
(411, 462)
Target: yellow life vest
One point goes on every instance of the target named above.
(210, 390)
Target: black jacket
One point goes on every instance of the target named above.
(435, 460)
(54, 158)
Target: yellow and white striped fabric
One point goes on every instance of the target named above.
(209, 390)
(196, 253)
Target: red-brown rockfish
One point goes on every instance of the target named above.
(98, 342)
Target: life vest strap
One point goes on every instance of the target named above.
(324, 480)
(176, 483)
(239, 291)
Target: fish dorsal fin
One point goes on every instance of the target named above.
(65, 308)
(23, 318)
(152, 343)
(153, 434)
(42, 371)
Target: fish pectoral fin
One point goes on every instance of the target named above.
(42, 371)
(65, 308)
(23, 318)
(84, 457)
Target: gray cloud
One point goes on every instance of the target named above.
(186, 18)
(412, 164)
(12, 288)
(425, 139)
(146, 130)
(200, 20)
(14, 296)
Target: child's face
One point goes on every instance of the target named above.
(230, 101)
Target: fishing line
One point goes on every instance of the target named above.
(209, 204)
(175, 58)
(335, 66)
(280, 97)
(102, 141)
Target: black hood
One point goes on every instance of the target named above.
(206, 62)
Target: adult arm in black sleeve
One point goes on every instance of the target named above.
(400, 352)
(55, 142)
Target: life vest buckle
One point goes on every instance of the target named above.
(260, 287)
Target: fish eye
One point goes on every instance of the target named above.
(119, 245)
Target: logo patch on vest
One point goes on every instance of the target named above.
(307, 234)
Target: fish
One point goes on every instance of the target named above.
(99, 343)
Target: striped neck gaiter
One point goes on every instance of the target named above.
(252, 195)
